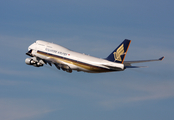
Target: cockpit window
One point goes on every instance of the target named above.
(41, 44)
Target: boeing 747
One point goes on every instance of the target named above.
(42, 52)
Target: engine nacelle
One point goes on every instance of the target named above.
(30, 61)
(38, 64)
(66, 68)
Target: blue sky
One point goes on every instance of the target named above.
(95, 28)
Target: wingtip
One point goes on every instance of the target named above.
(161, 58)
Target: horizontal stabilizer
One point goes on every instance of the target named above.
(136, 66)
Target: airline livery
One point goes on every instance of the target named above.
(43, 52)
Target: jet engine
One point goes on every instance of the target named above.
(30, 61)
(64, 67)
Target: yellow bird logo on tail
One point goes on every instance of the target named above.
(118, 53)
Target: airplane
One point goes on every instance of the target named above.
(42, 52)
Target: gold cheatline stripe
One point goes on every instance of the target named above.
(80, 64)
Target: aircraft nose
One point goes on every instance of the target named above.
(32, 47)
(29, 48)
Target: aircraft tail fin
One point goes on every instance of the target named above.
(119, 54)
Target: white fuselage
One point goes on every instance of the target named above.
(57, 54)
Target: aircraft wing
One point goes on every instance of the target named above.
(59, 64)
(128, 63)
